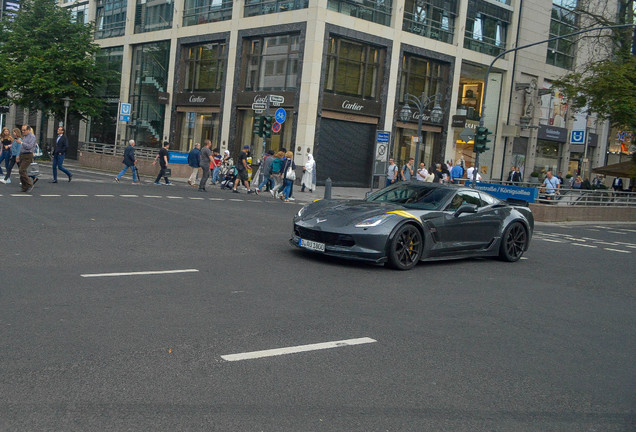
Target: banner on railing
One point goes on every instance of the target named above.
(508, 191)
(178, 158)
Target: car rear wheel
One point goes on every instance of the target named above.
(513, 243)
(405, 249)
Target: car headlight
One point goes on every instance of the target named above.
(374, 221)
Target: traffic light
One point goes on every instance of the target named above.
(267, 126)
(258, 125)
(481, 139)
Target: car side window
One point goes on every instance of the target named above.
(464, 197)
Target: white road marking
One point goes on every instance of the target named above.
(550, 240)
(629, 230)
(129, 196)
(141, 273)
(296, 349)
(104, 195)
(617, 250)
(78, 195)
(584, 245)
(216, 199)
(19, 195)
(174, 197)
(631, 246)
(590, 229)
(237, 200)
(153, 196)
(51, 195)
(617, 232)
(195, 198)
(523, 258)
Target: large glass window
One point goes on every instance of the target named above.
(378, 11)
(151, 15)
(486, 27)
(102, 128)
(264, 7)
(149, 77)
(79, 13)
(564, 21)
(110, 18)
(547, 157)
(353, 68)
(420, 75)
(272, 63)
(205, 67)
(205, 11)
(433, 19)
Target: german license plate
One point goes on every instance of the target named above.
(308, 244)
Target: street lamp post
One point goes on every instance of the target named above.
(67, 103)
(421, 104)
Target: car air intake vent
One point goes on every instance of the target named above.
(332, 239)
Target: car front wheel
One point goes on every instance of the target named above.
(405, 249)
(513, 243)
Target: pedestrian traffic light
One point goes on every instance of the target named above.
(258, 125)
(267, 126)
(481, 139)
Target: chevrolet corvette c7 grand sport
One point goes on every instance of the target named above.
(415, 221)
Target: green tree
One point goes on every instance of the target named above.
(606, 84)
(45, 57)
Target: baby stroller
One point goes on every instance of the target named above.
(228, 176)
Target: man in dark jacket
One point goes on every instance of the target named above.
(61, 145)
(194, 162)
(130, 161)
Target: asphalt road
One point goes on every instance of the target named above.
(544, 344)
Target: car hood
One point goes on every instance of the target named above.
(337, 213)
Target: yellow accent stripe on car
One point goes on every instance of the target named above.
(316, 200)
(404, 214)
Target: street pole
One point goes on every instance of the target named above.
(483, 107)
(421, 104)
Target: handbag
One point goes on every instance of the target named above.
(37, 152)
(167, 172)
(33, 170)
(290, 174)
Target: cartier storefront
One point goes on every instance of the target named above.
(197, 119)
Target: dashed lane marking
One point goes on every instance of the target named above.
(153, 196)
(235, 200)
(550, 240)
(195, 198)
(51, 195)
(20, 195)
(216, 199)
(584, 245)
(174, 197)
(105, 195)
(617, 250)
(129, 196)
(617, 232)
(139, 273)
(78, 195)
(296, 349)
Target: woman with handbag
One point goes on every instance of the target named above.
(289, 175)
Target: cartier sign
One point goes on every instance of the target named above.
(199, 99)
(348, 104)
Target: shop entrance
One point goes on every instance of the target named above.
(345, 152)
(196, 127)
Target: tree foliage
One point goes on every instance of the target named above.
(45, 57)
(606, 85)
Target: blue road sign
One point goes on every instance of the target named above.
(577, 137)
(125, 109)
(124, 118)
(281, 115)
(383, 137)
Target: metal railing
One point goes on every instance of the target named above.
(112, 150)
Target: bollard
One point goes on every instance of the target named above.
(328, 188)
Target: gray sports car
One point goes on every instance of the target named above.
(413, 221)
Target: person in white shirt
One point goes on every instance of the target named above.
(422, 172)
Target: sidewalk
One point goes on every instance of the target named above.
(300, 197)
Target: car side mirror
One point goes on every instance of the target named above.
(465, 208)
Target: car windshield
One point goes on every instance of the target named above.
(416, 196)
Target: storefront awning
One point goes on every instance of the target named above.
(623, 169)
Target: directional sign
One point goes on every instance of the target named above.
(276, 99)
(467, 134)
(276, 127)
(256, 106)
(124, 118)
(281, 115)
(577, 137)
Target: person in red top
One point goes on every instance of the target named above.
(215, 165)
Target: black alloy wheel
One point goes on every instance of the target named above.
(514, 243)
(405, 249)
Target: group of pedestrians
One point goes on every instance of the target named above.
(19, 148)
(438, 173)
